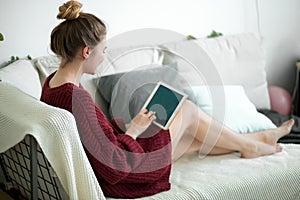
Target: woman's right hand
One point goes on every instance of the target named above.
(140, 123)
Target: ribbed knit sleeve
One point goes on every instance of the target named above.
(124, 166)
(119, 154)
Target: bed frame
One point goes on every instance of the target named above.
(27, 174)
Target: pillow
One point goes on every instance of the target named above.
(46, 65)
(239, 114)
(129, 57)
(22, 75)
(127, 92)
(240, 60)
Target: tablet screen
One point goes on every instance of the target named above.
(165, 101)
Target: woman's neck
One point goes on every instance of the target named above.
(68, 73)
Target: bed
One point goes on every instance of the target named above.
(193, 176)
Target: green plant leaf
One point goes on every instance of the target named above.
(191, 37)
(12, 58)
(214, 34)
(1, 37)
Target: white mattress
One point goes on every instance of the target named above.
(230, 177)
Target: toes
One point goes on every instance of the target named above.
(292, 121)
(289, 122)
(287, 126)
(278, 148)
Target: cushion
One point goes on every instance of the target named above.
(123, 59)
(193, 63)
(230, 104)
(127, 92)
(24, 76)
(46, 65)
(237, 59)
(240, 60)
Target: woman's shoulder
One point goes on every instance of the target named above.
(64, 91)
(64, 87)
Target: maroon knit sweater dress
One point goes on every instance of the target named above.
(124, 167)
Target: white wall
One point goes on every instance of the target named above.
(279, 24)
(26, 25)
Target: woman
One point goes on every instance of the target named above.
(126, 164)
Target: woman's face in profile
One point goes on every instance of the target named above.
(96, 57)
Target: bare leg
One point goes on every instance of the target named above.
(194, 147)
(191, 122)
(213, 150)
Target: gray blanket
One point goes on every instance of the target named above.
(278, 119)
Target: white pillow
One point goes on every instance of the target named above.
(240, 60)
(46, 65)
(239, 112)
(24, 76)
(128, 58)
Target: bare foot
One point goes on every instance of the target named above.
(261, 149)
(278, 148)
(273, 135)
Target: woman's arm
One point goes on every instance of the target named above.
(115, 156)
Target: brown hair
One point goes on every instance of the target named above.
(78, 30)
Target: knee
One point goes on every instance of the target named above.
(190, 111)
(187, 104)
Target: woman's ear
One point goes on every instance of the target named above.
(86, 52)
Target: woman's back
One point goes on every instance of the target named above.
(125, 167)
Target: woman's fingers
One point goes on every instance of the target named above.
(144, 111)
(152, 117)
(140, 123)
(150, 114)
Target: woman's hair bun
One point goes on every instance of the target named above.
(69, 10)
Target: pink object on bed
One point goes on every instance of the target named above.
(281, 100)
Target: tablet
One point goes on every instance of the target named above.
(165, 101)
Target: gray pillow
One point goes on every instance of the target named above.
(127, 92)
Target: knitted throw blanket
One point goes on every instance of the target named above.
(56, 133)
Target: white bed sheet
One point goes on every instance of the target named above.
(230, 177)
